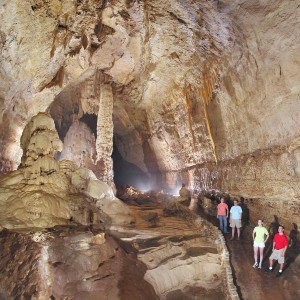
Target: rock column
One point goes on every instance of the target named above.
(104, 141)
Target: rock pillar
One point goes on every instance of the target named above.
(104, 141)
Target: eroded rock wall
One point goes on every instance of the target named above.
(265, 181)
(192, 83)
(69, 263)
(255, 114)
(166, 75)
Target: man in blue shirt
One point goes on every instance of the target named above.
(235, 219)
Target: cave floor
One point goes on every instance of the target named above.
(251, 283)
(175, 250)
(255, 283)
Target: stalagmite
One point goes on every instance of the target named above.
(105, 128)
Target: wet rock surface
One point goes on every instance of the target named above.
(175, 259)
(182, 252)
(72, 263)
(178, 257)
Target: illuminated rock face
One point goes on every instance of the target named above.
(44, 192)
(79, 145)
(186, 84)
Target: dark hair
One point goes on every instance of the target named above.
(281, 226)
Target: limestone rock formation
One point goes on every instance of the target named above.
(204, 92)
(180, 256)
(69, 263)
(44, 192)
(79, 145)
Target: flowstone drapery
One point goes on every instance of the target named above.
(45, 192)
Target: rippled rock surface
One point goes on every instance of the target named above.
(178, 256)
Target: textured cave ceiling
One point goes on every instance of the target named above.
(95, 94)
(205, 92)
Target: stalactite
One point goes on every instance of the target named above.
(206, 93)
(189, 108)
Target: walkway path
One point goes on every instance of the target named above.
(256, 284)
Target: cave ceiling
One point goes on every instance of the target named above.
(176, 84)
(197, 92)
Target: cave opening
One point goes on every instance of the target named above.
(76, 129)
(126, 173)
(91, 121)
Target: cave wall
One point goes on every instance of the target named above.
(204, 92)
(258, 104)
(43, 50)
(255, 114)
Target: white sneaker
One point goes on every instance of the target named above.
(259, 266)
(255, 265)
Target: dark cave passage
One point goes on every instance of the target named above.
(91, 121)
(127, 173)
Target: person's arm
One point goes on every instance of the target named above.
(253, 234)
(273, 246)
(283, 252)
(241, 212)
(267, 236)
(285, 247)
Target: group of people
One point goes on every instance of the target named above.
(280, 243)
(260, 235)
(235, 217)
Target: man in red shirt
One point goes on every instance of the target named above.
(280, 243)
(222, 215)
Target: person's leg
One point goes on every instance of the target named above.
(270, 268)
(273, 256)
(255, 256)
(280, 267)
(238, 232)
(261, 256)
(281, 262)
(225, 224)
(220, 222)
(232, 232)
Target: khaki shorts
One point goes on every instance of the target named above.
(276, 254)
(236, 223)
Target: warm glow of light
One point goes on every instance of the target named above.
(143, 186)
(175, 191)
